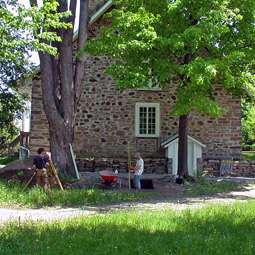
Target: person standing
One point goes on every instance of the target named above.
(39, 163)
(138, 169)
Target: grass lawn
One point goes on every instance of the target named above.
(248, 155)
(218, 229)
(6, 160)
(12, 194)
(213, 187)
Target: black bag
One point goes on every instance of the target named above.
(179, 180)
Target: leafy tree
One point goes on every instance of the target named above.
(190, 45)
(248, 125)
(62, 79)
(17, 27)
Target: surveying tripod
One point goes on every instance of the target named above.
(50, 168)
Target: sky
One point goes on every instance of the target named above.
(35, 57)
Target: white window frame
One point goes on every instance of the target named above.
(137, 119)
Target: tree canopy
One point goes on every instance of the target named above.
(20, 30)
(202, 43)
(190, 45)
(248, 125)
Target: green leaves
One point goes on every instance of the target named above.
(21, 32)
(196, 43)
(248, 126)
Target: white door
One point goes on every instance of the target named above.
(191, 169)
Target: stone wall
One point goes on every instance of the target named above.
(151, 165)
(39, 130)
(106, 119)
(211, 167)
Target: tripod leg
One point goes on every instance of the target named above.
(50, 176)
(56, 174)
(30, 180)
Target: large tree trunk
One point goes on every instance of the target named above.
(62, 87)
(61, 152)
(183, 128)
(183, 146)
(61, 119)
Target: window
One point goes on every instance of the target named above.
(150, 87)
(147, 118)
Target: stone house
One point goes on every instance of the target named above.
(107, 119)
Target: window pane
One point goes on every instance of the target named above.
(147, 120)
(151, 120)
(143, 120)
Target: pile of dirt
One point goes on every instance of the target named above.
(24, 175)
(21, 176)
(18, 165)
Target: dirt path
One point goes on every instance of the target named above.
(158, 204)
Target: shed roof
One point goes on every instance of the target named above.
(166, 143)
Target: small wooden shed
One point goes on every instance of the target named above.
(194, 152)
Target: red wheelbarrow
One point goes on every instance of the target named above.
(108, 176)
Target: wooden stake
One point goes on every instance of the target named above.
(129, 164)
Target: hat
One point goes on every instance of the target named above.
(137, 154)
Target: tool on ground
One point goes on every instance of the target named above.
(129, 164)
(74, 162)
(30, 179)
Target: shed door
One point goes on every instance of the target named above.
(191, 158)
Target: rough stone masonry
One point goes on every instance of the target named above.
(106, 122)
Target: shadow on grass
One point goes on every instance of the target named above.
(222, 190)
(214, 230)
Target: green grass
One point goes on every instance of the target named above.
(248, 155)
(213, 187)
(218, 229)
(6, 160)
(12, 194)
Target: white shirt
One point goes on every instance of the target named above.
(141, 164)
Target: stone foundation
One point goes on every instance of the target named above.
(151, 165)
(211, 167)
(240, 168)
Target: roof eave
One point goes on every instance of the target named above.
(96, 16)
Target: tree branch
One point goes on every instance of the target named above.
(66, 63)
(82, 39)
